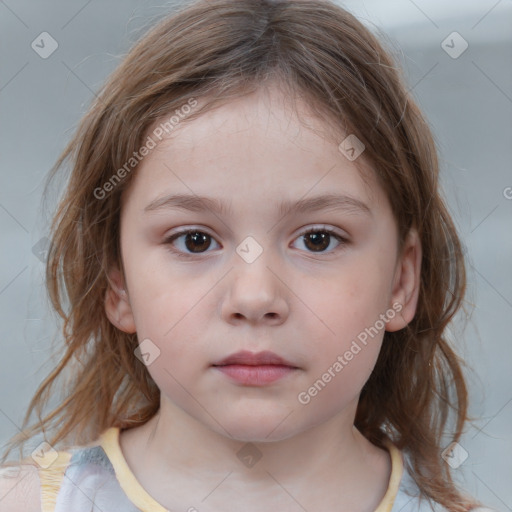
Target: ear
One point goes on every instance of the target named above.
(117, 304)
(406, 284)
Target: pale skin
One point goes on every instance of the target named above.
(304, 305)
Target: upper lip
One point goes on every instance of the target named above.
(254, 359)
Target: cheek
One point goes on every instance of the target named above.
(342, 365)
(347, 326)
(350, 300)
(171, 318)
(161, 295)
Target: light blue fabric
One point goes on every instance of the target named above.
(90, 485)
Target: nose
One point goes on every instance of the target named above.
(256, 294)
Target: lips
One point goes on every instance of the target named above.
(247, 358)
(255, 369)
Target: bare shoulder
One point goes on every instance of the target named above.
(20, 488)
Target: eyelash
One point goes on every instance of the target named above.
(169, 240)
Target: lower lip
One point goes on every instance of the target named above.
(255, 375)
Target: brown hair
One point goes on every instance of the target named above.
(219, 50)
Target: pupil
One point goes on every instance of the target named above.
(196, 238)
(320, 240)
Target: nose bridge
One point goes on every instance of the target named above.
(255, 291)
(252, 263)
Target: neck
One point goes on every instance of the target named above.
(173, 456)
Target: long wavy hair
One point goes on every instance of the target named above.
(217, 50)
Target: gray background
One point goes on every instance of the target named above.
(467, 100)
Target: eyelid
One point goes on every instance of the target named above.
(302, 231)
(322, 227)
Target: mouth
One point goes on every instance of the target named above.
(255, 369)
(244, 357)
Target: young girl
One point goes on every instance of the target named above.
(255, 270)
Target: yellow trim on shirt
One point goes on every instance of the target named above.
(397, 469)
(130, 485)
(138, 495)
(51, 473)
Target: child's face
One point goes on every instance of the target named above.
(306, 299)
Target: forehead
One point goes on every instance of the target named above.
(262, 144)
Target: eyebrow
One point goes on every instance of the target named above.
(197, 203)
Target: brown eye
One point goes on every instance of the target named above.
(191, 241)
(188, 242)
(318, 240)
(197, 241)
